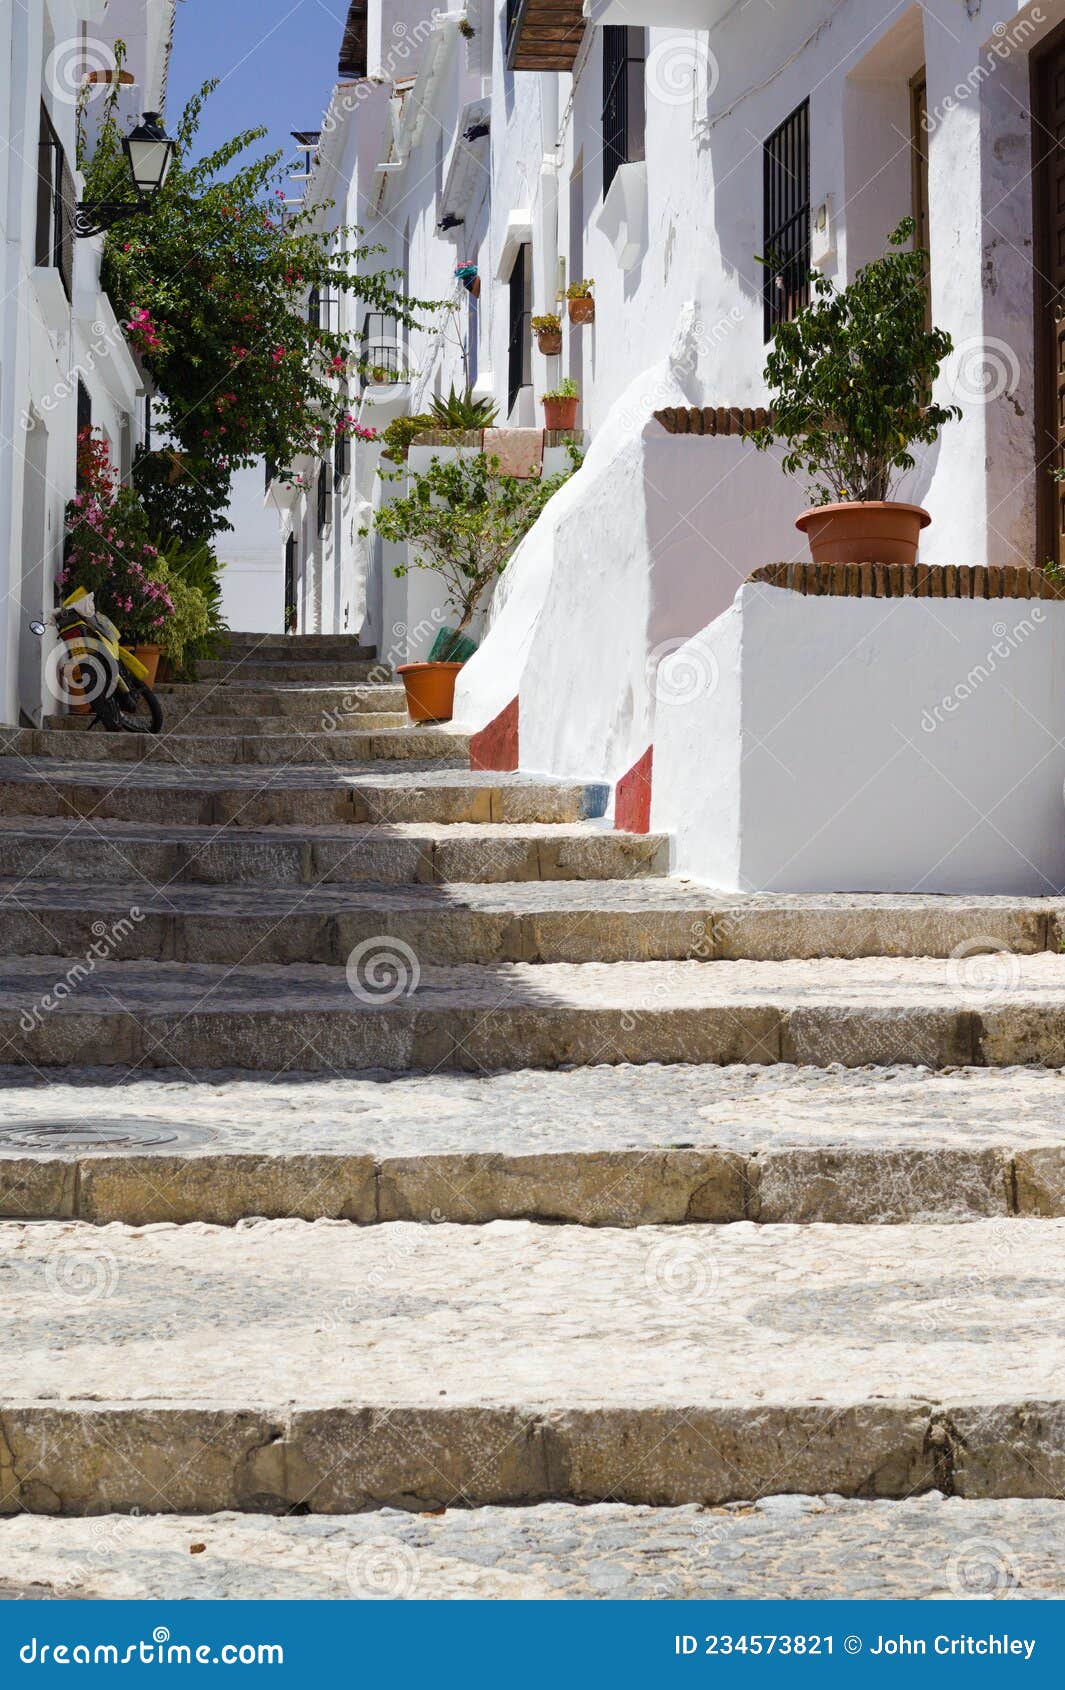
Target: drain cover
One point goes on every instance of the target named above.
(101, 1135)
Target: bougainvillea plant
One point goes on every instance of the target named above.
(214, 281)
(108, 549)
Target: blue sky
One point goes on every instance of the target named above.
(277, 60)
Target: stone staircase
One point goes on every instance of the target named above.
(308, 1031)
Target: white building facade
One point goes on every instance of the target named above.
(64, 363)
(662, 147)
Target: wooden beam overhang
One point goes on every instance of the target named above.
(544, 34)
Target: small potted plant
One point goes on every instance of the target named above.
(560, 405)
(851, 380)
(581, 301)
(548, 332)
(468, 275)
(462, 520)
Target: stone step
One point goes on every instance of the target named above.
(592, 1147)
(778, 1548)
(386, 1011)
(328, 706)
(327, 1368)
(530, 921)
(110, 852)
(197, 719)
(335, 672)
(297, 794)
(293, 648)
(291, 744)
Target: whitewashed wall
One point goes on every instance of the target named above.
(833, 744)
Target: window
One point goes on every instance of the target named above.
(314, 309)
(84, 411)
(380, 346)
(341, 457)
(786, 219)
(520, 352)
(624, 99)
(323, 498)
(290, 584)
(55, 205)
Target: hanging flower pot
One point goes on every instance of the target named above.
(582, 310)
(548, 332)
(468, 276)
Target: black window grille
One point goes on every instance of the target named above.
(147, 422)
(55, 205)
(519, 373)
(84, 409)
(786, 219)
(314, 308)
(515, 8)
(323, 499)
(271, 471)
(624, 98)
(341, 457)
(290, 583)
(381, 346)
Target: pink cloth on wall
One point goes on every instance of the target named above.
(520, 451)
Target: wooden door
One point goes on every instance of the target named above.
(1048, 151)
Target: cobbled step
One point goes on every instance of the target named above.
(591, 1147)
(197, 720)
(780, 1548)
(251, 669)
(391, 1013)
(293, 648)
(65, 848)
(278, 748)
(296, 793)
(531, 921)
(327, 706)
(327, 1368)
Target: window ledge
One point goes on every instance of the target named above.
(623, 217)
(518, 233)
(52, 297)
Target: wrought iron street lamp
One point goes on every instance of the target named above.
(149, 154)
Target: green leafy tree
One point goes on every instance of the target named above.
(464, 519)
(852, 377)
(213, 283)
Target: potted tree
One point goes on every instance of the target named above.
(560, 405)
(581, 301)
(851, 380)
(548, 332)
(462, 519)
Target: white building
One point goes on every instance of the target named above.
(660, 147)
(63, 359)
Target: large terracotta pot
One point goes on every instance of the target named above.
(582, 310)
(430, 690)
(149, 655)
(560, 413)
(873, 531)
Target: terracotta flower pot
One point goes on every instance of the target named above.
(582, 310)
(549, 341)
(560, 414)
(430, 690)
(149, 655)
(873, 531)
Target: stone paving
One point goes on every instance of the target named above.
(933, 1548)
(276, 1168)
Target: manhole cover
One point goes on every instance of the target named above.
(101, 1135)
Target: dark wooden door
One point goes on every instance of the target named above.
(1048, 147)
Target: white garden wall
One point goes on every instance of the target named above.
(835, 744)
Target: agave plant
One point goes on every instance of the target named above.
(463, 411)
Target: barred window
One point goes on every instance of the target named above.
(55, 205)
(786, 219)
(624, 98)
(519, 373)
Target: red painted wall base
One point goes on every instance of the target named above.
(496, 746)
(632, 797)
